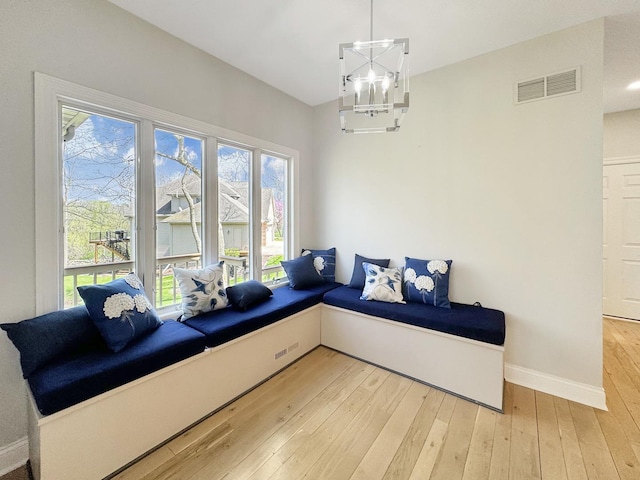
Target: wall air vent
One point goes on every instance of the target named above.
(561, 83)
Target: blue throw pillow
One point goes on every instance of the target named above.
(324, 261)
(357, 278)
(301, 272)
(382, 284)
(427, 281)
(247, 294)
(47, 337)
(121, 310)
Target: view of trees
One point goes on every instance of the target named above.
(98, 183)
(99, 195)
(99, 179)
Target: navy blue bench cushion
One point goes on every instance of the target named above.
(77, 378)
(221, 326)
(477, 323)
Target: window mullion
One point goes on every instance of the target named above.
(292, 207)
(255, 215)
(212, 230)
(145, 240)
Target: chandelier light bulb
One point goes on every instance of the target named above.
(385, 83)
(357, 85)
(371, 76)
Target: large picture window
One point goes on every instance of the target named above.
(140, 189)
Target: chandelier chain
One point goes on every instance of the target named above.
(371, 24)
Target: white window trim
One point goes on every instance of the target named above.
(49, 92)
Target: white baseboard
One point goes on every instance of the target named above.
(14, 455)
(558, 386)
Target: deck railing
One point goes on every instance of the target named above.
(167, 289)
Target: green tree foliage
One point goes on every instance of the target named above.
(82, 218)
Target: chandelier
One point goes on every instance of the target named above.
(374, 84)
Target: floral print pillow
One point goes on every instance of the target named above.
(427, 281)
(324, 261)
(120, 310)
(383, 284)
(202, 290)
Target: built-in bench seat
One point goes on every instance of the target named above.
(94, 401)
(469, 321)
(78, 377)
(459, 350)
(221, 326)
(93, 411)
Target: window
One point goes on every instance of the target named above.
(274, 230)
(178, 209)
(145, 190)
(98, 196)
(252, 220)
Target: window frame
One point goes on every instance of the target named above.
(49, 94)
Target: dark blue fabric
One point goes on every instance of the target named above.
(247, 294)
(358, 276)
(127, 321)
(79, 377)
(301, 272)
(47, 337)
(324, 261)
(427, 281)
(477, 323)
(221, 326)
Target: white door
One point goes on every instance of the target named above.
(621, 240)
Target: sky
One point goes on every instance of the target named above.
(99, 160)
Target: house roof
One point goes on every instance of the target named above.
(233, 205)
(173, 188)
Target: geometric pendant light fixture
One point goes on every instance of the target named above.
(374, 84)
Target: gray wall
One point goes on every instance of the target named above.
(96, 44)
(622, 134)
(511, 193)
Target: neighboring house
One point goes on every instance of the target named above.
(174, 235)
(171, 201)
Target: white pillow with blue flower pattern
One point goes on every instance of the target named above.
(202, 290)
(383, 284)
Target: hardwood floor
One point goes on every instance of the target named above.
(330, 416)
(18, 474)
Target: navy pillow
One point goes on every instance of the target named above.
(301, 272)
(427, 281)
(324, 261)
(247, 294)
(358, 276)
(121, 310)
(47, 337)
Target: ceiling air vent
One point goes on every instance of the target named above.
(552, 85)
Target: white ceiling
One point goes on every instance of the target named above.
(293, 44)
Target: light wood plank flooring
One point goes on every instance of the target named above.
(329, 416)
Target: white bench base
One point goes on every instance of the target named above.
(466, 368)
(97, 437)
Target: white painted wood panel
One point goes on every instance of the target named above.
(100, 435)
(621, 240)
(467, 368)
